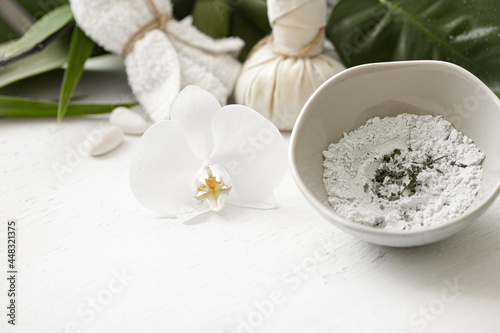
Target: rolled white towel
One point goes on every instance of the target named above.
(166, 57)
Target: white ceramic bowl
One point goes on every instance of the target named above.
(355, 95)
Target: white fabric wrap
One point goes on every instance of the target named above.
(162, 62)
(277, 84)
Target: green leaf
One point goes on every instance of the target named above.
(6, 33)
(22, 107)
(242, 28)
(182, 8)
(37, 9)
(212, 17)
(80, 49)
(52, 57)
(463, 32)
(250, 23)
(42, 29)
(40, 8)
(255, 12)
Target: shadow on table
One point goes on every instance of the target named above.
(469, 259)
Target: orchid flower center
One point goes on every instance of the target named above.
(212, 186)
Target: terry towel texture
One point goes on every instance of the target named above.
(162, 62)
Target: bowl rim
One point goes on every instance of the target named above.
(329, 212)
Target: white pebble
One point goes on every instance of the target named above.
(103, 140)
(129, 121)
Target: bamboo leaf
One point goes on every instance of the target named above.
(52, 57)
(80, 49)
(42, 29)
(39, 8)
(23, 107)
(5, 61)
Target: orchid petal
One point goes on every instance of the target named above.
(253, 152)
(194, 109)
(163, 169)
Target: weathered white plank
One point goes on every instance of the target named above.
(242, 270)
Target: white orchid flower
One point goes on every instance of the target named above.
(206, 156)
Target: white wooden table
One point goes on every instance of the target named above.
(91, 259)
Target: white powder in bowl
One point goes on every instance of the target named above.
(402, 173)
